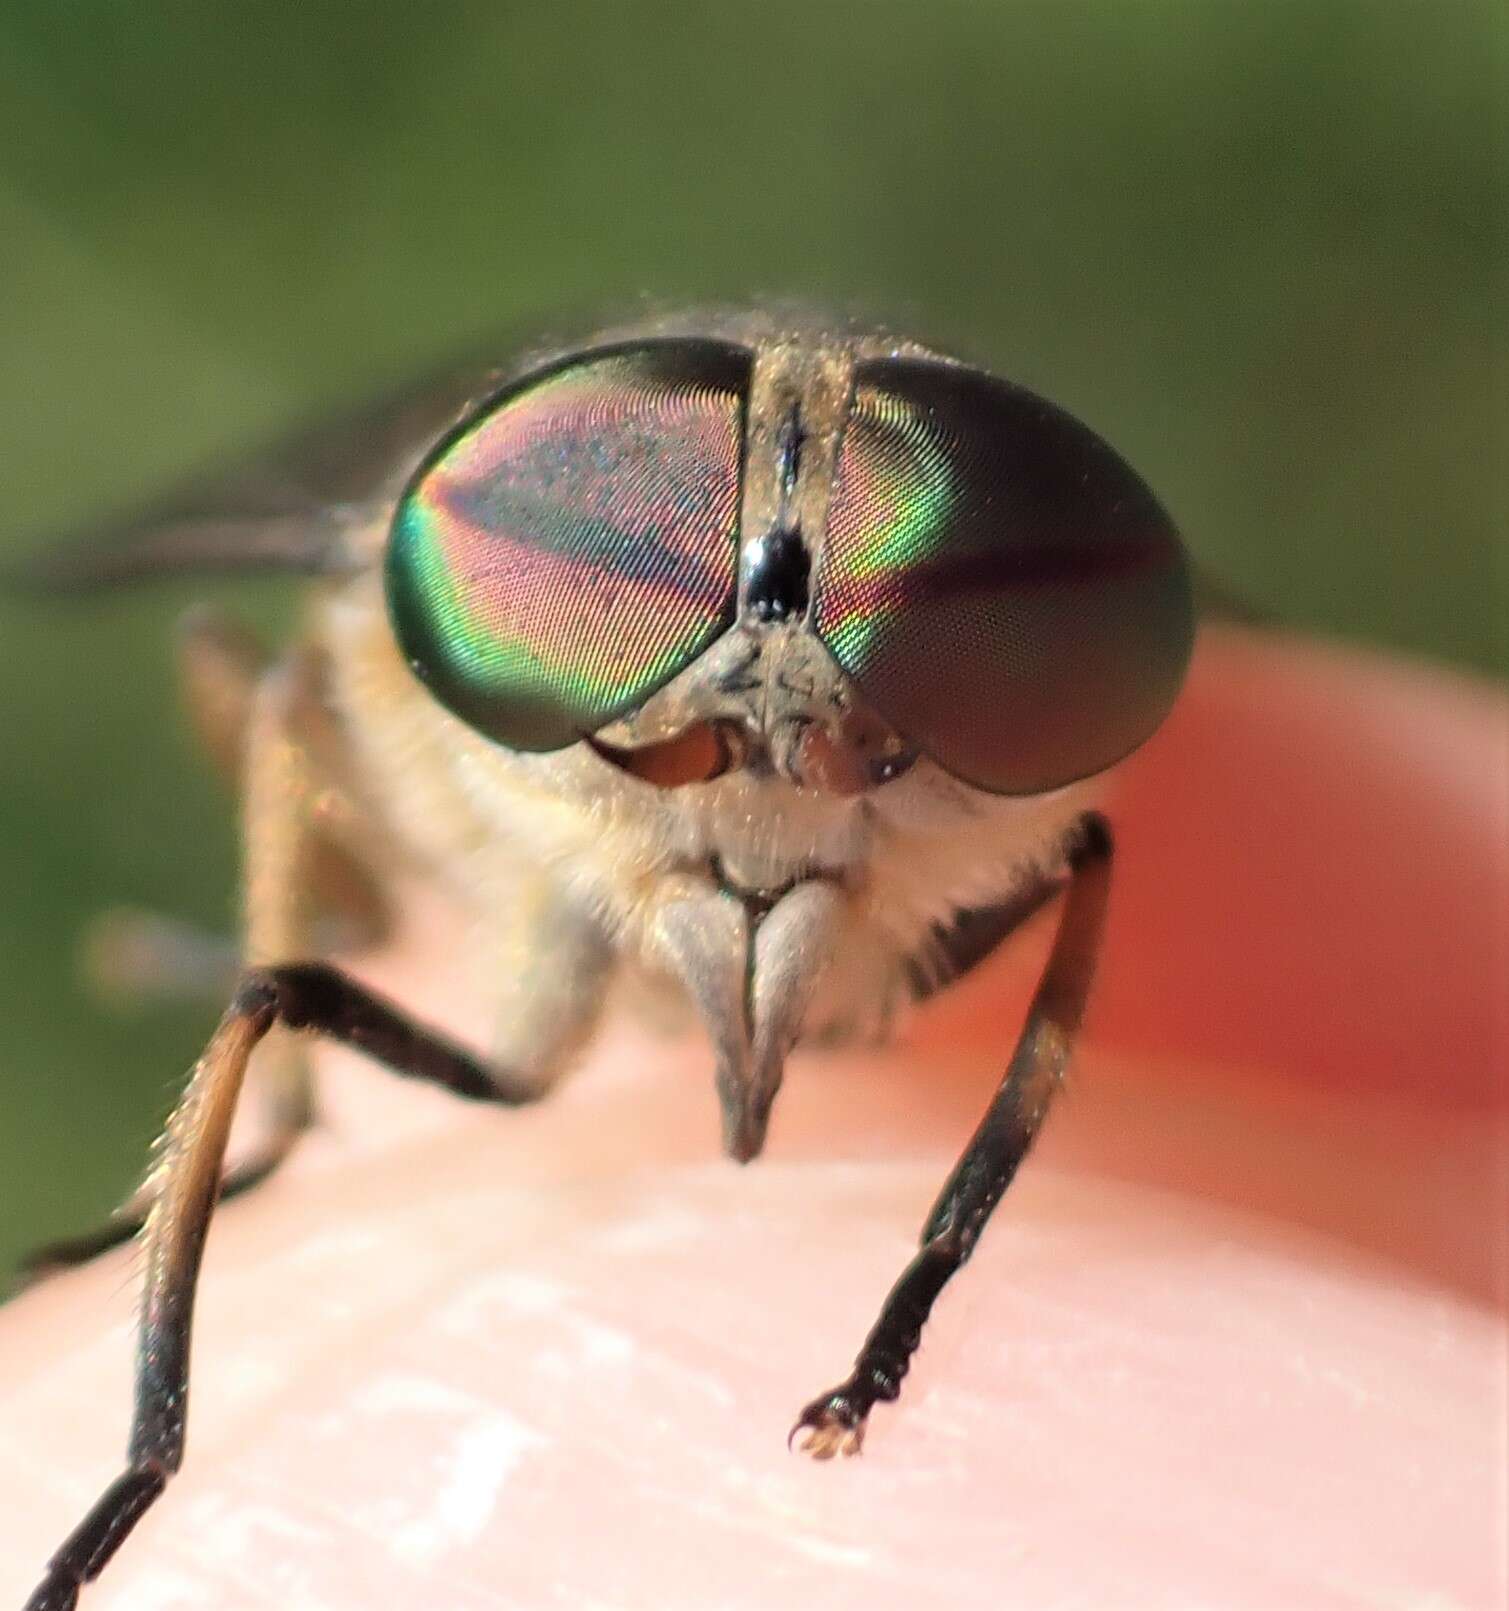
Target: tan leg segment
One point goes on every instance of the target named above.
(130, 955)
(298, 818)
(307, 846)
(222, 671)
(185, 1185)
(184, 1188)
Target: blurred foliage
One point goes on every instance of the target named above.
(1258, 245)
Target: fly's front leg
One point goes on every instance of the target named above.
(184, 1189)
(307, 844)
(834, 1422)
(225, 673)
(299, 817)
(306, 841)
(132, 955)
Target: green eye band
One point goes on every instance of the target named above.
(1003, 588)
(571, 548)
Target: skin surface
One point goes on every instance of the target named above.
(1236, 1337)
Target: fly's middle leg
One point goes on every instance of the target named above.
(186, 1184)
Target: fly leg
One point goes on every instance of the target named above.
(130, 955)
(834, 1422)
(222, 669)
(133, 956)
(306, 842)
(307, 996)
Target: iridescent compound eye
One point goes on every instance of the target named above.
(1003, 588)
(569, 549)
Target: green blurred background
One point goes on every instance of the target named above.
(1257, 245)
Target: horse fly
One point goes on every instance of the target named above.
(774, 657)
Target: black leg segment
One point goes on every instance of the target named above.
(317, 997)
(183, 1192)
(834, 1422)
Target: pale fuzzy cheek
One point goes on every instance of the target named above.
(950, 848)
(863, 992)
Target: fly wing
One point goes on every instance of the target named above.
(306, 505)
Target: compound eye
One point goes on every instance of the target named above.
(572, 546)
(1003, 588)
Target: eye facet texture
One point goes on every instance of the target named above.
(568, 550)
(1003, 588)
